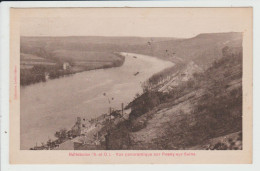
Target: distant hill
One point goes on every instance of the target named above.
(82, 51)
(203, 49)
(44, 46)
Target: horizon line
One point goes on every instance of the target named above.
(136, 36)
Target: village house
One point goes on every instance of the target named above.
(66, 66)
(47, 75)
(88, 134)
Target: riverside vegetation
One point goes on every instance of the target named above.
(38, 72)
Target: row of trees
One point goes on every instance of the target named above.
(38, 73)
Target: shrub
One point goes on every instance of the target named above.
(144, 103)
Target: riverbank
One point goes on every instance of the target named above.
(34, 72)
(86, 134)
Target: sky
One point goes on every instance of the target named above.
(144, 22)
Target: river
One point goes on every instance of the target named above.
(50, 106)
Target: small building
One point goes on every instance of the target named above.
(66, 66)
(47, 75)
(116, 113)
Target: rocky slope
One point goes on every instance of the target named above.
(192, 110)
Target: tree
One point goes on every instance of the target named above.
(57, 134)
(49, 143)
(61, 135)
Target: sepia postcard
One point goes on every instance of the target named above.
(130, 85)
